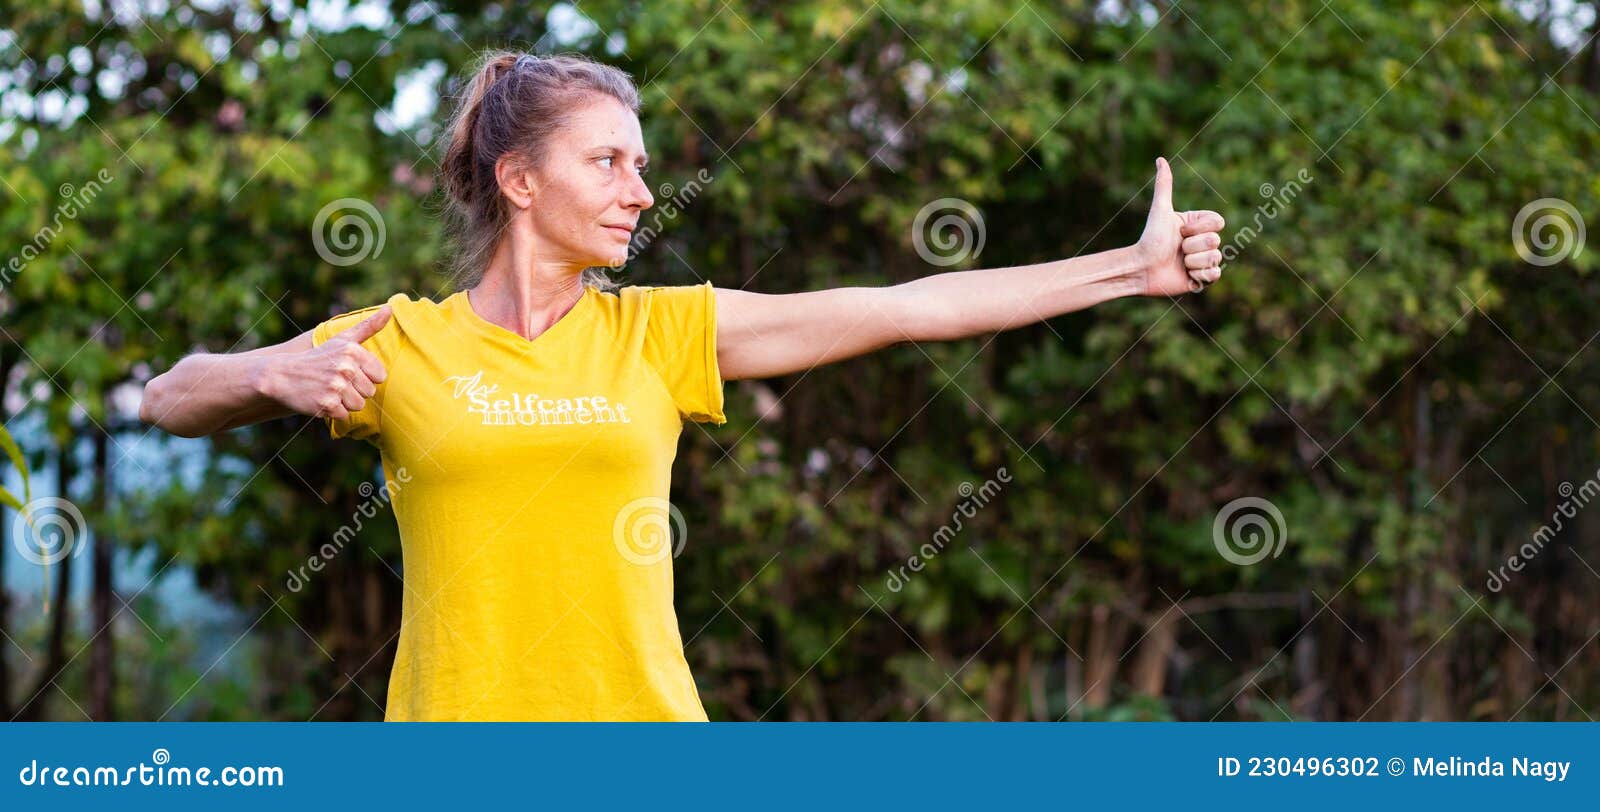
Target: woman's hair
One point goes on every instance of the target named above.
(513, 103)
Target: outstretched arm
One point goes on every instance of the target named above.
(763, 335)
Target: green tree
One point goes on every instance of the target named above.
(1380, 363)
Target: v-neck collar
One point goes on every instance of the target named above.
(552, 334)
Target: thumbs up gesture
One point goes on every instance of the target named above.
(332, 379)
(1179, 248)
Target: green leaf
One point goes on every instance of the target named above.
(15, 453)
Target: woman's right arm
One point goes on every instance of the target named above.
(206, 393)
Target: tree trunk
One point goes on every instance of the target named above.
(102, 682)
(8, 362)
(1150, 667)
(56, 649)
(1307, 701)
(1105, 639)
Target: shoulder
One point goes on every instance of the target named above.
(679, 342)
(656, 298)
(651, 291)
(406, 315)
(636, 304)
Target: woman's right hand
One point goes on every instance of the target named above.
(332, 379)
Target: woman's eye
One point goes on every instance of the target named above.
(608, 158)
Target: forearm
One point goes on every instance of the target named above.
(960, 304)
(205, 393)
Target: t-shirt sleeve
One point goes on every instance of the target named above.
(365, 423)
(681, 344)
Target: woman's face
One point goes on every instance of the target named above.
(590, 192)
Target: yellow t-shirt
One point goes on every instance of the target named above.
(529, 481)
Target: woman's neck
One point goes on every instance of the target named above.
(524, 294)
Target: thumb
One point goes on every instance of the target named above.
(1163, 194)
(369, 326)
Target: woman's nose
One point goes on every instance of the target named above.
(639, 193)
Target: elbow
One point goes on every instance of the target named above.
(156, 410)
(147, 401)
(151, 410)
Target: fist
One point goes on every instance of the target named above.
(336, 377)
(1179, 249)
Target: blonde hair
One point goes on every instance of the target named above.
(513, 103)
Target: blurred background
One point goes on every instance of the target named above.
(1348, 482)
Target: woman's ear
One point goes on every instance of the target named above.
(516, 180)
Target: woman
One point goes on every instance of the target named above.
(533, 415)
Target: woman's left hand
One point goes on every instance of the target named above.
(1180, 249)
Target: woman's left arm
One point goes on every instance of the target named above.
(764, 335)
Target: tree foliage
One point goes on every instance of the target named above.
(1379, 362)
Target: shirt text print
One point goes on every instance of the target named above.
(516, 409)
